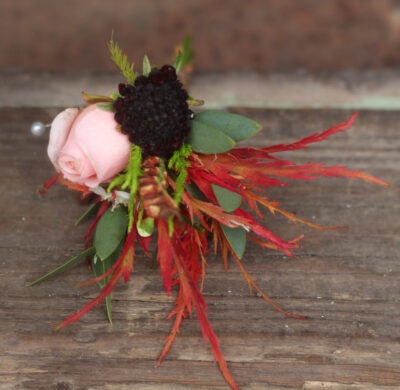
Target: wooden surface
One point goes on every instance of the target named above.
(347, 281)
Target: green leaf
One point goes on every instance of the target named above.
(115, 255)
(196, 223)
(109, 309)
(188, 52)
(110, 231)
(192, 102)
(100, 267)
(178, 61)
(114, 96)
(193, 190)
(146, 66)
(63, 267)
(93, 99)
(235, 126)
(109, 262)
(146, 227)
(207, 139)
(228, 200)
(236, 238)
(106, 106)
(97, 266)
(88, 213)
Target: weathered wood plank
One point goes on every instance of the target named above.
(347, 281)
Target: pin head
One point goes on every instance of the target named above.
(38, 128)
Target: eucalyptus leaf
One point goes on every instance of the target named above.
(110, 231)
(146, 66)
(236, 238)
(63, 267)
(235, 126)
(228, 200)
(106, 106)
(207, 139)
(88, 213)
(99, 265)
(110, 260)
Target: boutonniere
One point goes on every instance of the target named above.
(160, 170)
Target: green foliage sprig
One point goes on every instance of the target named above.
(179, 162)
(122, 62)
(130, 178)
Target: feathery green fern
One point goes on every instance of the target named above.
(121, 61)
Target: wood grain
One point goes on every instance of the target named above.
(346, 281)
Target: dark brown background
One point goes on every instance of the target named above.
(235, 34)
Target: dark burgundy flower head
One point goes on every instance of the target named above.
(154, 113)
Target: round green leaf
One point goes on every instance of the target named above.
(110, 231)
(236, 238)
(228, 200)
(207, 139)
(146, 227)
(235, 126)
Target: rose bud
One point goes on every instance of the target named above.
(86, 146)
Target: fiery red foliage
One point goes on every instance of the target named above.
(181, 256)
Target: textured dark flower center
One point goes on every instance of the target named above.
(154, 113)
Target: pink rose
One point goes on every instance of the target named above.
(86, 146)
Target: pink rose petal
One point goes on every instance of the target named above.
(104, 145)
(87, 147)
(59, 131)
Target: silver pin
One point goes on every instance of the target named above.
(38, 128)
